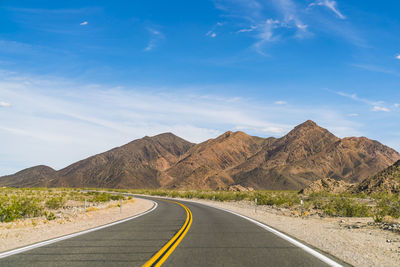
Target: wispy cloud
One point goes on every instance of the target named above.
(398, 56)
(84, 23)
(281, 20)
(330, 4)
(353, 115)
(155, 37)
(396, 105)
(4, 104)
(376, 105)
(380, 108)
(375, 68)
(250, 29)
(213, 32)
(280, 102)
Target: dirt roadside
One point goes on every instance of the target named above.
(29, 231)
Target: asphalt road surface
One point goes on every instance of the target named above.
(211, 237)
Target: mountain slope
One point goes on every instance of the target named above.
(387, 181)
(32, 177)
(308, 153)
(204, 165)
(138, 164)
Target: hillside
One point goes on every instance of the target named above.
(305, 154)
(309, 153)
(205, 165)
(32, 177)
(138, 164)
(387, 181)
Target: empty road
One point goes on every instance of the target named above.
(174, 235)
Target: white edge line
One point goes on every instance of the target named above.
(57, 239)
(276, 232)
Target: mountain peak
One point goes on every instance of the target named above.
(167, 134)
(308, 124)
(309, 130)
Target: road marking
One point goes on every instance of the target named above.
(51, 241)
(311, 251)
(159, 258)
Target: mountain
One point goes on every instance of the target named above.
(138, 164)
(308, 153)
(206, 165)
(32, 177)
(305, 154)
(387, 181)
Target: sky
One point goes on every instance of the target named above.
(81, 77)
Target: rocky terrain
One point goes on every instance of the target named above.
(326, 185)
(386, 181)
(305, 154)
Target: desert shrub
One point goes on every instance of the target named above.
(287, 199)
(387, 206)
(50, 216)
(55, 203)
(346, 207)
(19, 207)
(104, 197)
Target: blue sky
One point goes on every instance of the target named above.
(81, 77)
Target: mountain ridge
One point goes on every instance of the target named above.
(305, 154)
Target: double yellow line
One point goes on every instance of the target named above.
(159, 258)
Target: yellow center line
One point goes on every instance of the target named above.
(159, 258)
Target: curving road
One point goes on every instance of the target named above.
(213, 238)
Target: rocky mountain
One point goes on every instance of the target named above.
(326, 185)
(138, 164)
(207, 165)
(32, 177)
(305, 154)
(387, 181)
(309, 153)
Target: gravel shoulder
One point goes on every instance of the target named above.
(29, 231)
(351, 239)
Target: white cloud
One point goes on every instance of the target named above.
(155, 37)
(398, 56)
(332, 5)
(375, 105)
(280, 102)
(252, 28)
(379, 108)
(211, 34)
(84, 23)
(396, 105)
(353, 115)
(266, 28)
(302, 26)
(355, 97)
(4, 104)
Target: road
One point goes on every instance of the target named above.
(211, 237)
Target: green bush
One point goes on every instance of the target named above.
(104, 197)
(387, 206)
(55, 203)
(346, 207)
(17, 208)
(50, 216)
